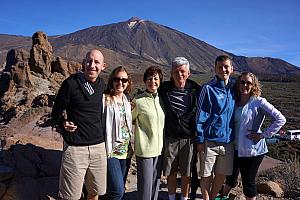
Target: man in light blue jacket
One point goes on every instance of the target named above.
(214, 128)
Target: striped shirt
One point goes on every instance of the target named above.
(180, 100)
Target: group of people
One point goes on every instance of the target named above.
(173, 127)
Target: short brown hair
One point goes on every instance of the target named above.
(222, 58)
(151, 71)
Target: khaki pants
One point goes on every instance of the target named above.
(82, 164)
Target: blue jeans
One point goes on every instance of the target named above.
(117, 170)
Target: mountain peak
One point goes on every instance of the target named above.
(133, 21)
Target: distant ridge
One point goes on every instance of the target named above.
(138, 43)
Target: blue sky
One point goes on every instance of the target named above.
(265, 28)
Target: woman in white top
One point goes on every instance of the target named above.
(117, 112)
(250, 144)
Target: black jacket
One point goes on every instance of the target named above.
(176, 126)
(81, 108)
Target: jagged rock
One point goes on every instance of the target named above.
(60, 66)
(65, 67)
(17, 66)
(5, 78)
(271, 188)
(43, 100)
(16, 83)
(40, 55)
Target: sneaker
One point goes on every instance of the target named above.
(222, 198)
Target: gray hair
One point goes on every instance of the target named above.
(178, 61)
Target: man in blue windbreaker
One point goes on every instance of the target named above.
(214, 128)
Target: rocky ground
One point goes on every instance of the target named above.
(30, 159)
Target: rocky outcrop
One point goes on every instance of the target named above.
(64, 67)
(16, 82)
(28, 79)
(41, 55)
(17, 65)
(271, 188)
(43, 100)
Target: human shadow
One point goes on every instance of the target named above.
(35, 171)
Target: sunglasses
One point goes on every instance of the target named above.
(117, 79)
(245, 82)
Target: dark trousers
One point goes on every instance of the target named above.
(195, 181)
(248, 167)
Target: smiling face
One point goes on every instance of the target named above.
(180, 74)
(93, 65)
(245, 85)
(120, 82)
(153, 83)
(224, 70)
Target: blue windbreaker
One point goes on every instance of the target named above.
(215, 110)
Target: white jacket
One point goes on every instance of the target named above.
(112, 121)
(252, 117)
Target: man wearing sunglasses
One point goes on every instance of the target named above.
(214, 128)
(84, 154)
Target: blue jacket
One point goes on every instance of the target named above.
(215, 112)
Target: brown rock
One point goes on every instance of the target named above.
(65, 67)
(60, 66)
(43, 100)
(40, 55)
(271, 188)
(17, 65)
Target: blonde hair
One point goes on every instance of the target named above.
(256, 86)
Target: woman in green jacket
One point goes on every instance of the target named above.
(148, 118)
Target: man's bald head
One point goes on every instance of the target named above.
(93, 64)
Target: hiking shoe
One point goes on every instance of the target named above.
(222, 198)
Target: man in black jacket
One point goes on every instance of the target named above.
(84, 154)
(179, 97)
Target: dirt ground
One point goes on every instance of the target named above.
(49, 139)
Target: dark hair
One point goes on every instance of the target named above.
(151, 71)
(222, 58)
(110, 87)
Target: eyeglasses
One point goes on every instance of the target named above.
(117, 79)
(242, 82)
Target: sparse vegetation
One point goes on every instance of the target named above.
(287, 174)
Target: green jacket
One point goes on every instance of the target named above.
(148, 118)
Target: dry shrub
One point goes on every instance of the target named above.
(287, 174)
